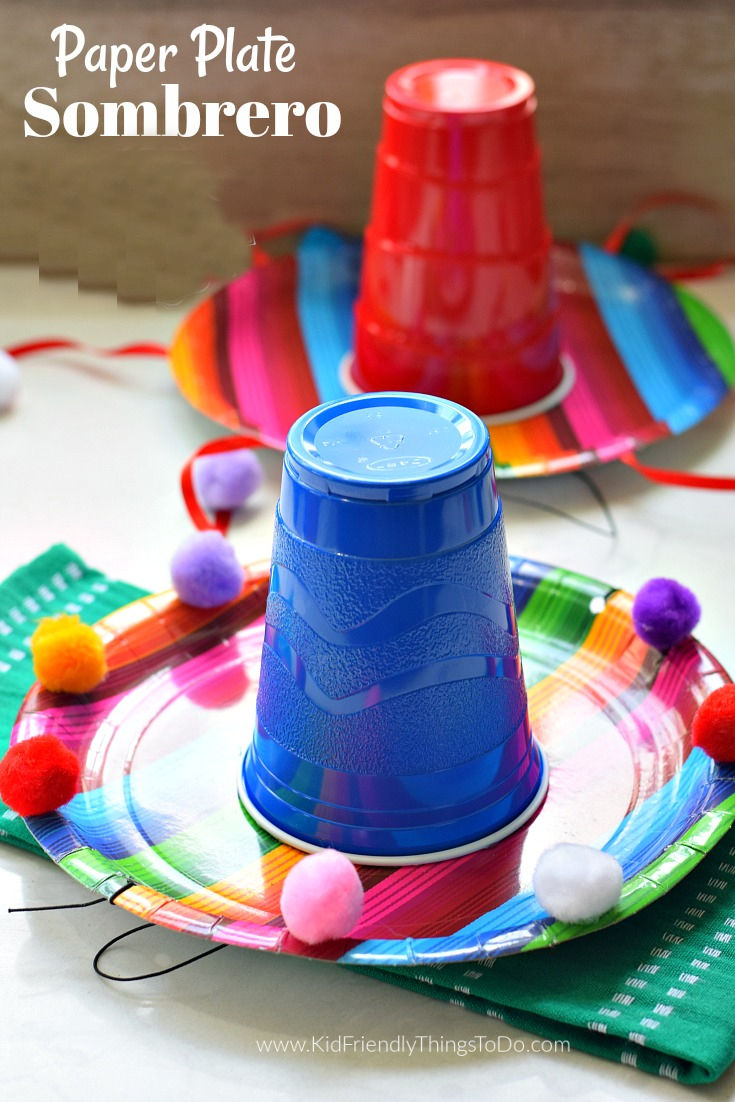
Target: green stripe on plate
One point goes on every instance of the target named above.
(711, 332)
(560, 608)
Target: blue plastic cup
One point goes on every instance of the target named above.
(392, 719)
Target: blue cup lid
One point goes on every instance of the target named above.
(387, 446)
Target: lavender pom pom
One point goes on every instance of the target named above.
(226, 480)
(665, 612)
(205, 571)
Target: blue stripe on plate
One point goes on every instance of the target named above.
(327, 284)
(670, 368)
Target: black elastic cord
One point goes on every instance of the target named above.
(124, 888)
(610, 532)
(594, 489)
(57, 906)
(147, 975)
(74, 906)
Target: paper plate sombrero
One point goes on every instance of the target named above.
(572, 354)
(367, 693)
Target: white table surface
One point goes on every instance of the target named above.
(91, 456)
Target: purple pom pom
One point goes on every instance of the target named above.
(205, 571)
(665, 612)
(227, 479)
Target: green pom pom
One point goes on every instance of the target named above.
(640, 246)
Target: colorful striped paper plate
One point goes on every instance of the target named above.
(158, 825)
(644, 357)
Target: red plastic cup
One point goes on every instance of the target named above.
(456, 297)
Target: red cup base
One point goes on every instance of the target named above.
(486, 384)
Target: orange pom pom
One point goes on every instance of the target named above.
(68, 656)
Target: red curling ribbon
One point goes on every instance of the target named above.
(52, 344)
(693, 270)
(222, 518)
(678, 478)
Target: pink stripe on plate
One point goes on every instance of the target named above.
(248, 367)
(399, 888)
(270, 370)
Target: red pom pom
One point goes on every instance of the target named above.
(38, 775)
(714, 724)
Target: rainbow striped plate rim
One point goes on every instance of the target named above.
(646, 359)
(159, 827)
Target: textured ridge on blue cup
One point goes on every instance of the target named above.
(391, 713)
(466, 716)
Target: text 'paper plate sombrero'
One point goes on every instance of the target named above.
(572, 354)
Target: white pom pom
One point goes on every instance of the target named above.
(577, 883)
(9, 380)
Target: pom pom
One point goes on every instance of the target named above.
(38, 775)
(205, 571)
(322, 897)
(665, 612)
(713, 728)
(640, 246)
(9, 380)
(577, 883)
(68, 656)
(227, 479)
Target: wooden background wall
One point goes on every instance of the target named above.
(633, 97)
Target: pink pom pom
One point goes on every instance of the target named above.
(322, 897)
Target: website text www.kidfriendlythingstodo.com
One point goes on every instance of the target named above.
(421, 1044)
(211, 46)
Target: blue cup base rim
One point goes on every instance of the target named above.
(391, 860)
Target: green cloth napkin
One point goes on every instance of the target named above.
(57, 581)
(654, 992)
